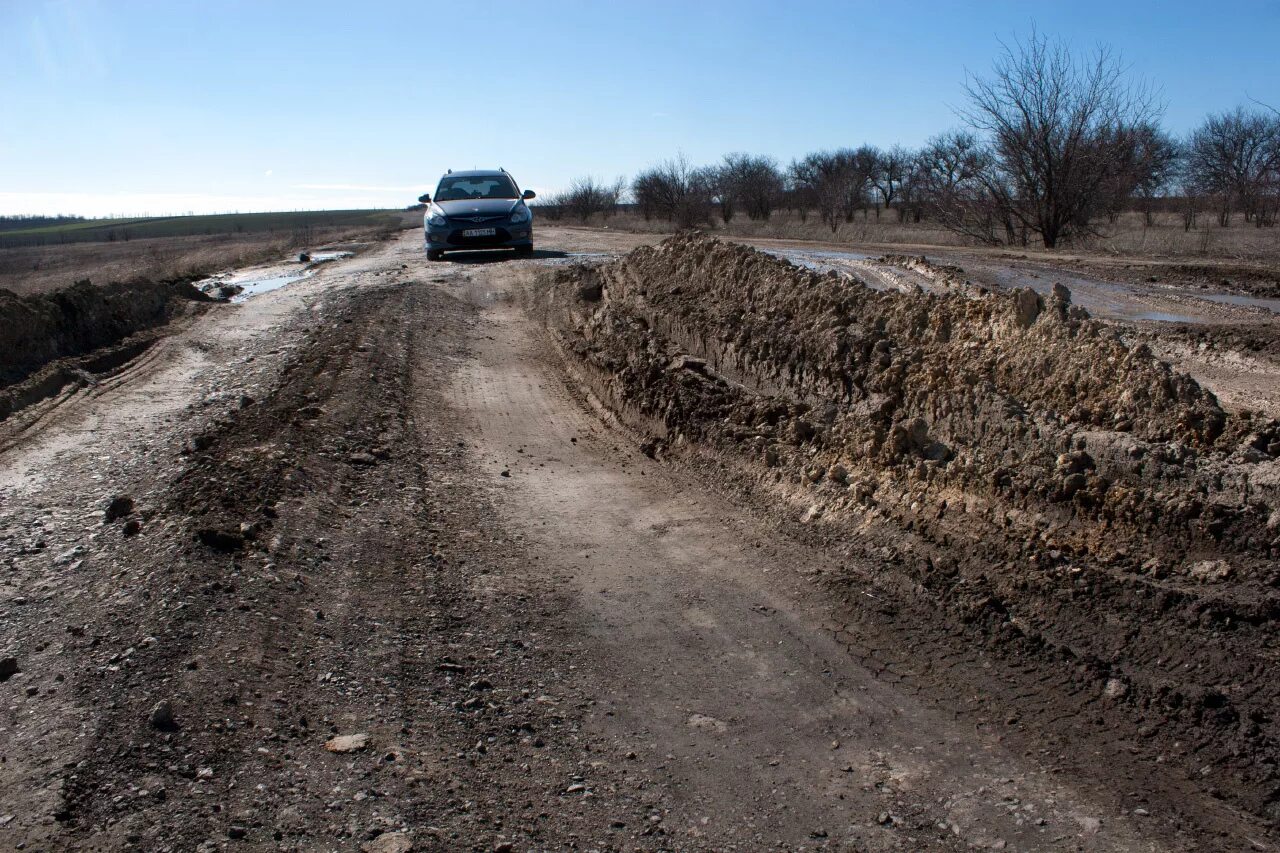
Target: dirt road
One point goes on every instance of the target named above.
(377, 573)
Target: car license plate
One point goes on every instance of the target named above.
(480, 232)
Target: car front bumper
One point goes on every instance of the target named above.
(505, 236)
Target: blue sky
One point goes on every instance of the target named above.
(161, 106)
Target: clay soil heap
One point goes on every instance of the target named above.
(1016, 467)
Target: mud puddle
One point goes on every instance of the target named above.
(579, 257)
(240, 285)
(1125, 302)
(1259, 302)
(335, 255)
(819, 260)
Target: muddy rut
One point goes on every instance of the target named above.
(370, 562)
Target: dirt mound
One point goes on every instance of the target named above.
(1004, 458)
(35, 330)
(946, 275)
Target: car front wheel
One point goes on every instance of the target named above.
(524, 251)
(435, 254)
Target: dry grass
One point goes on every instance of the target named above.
(1129, 237)
(45, 268)
(1167, 238)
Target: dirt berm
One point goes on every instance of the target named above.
(1011, 469)
(45, 339)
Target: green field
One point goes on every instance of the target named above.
(113, 230)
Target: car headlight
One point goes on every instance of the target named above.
(436, 217)
(520, 214)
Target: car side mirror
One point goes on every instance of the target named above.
(425, 198)
(528, 194)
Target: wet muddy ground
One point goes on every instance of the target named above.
(391, 574)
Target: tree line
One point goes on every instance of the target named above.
(21, 222)
(1052, 144)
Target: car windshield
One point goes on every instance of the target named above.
(461, 188)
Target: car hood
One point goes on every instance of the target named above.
(478, 206)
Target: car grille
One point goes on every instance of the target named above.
(474, 220)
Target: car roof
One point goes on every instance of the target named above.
(476, 173)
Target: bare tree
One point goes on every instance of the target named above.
(818, 177)
(836, 182)
(1157, 162)
(1235, 156)
(613, 194)
(1058, 126)
(861, 165)
(676, 191)
(891, 170)
(797, 195)
(956, 178)
(585, 197)
(750, 182)
(551, 206)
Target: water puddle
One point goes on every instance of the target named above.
(324, 257)
(576, 257)
(1163, 317)
(240, 285)
(256, 286)
(818, 260)
(1272, 305)
(243, 284)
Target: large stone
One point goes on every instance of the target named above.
(162, 717)
(120, 506)
(389, 842)
(347, 743)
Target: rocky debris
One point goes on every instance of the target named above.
(347, 743)
(161, 717)
(8, 668)
(120, 507)
(304, 257)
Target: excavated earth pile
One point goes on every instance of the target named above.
(1000, 458)
(50, 339)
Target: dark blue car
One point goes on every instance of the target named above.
(480, 209)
